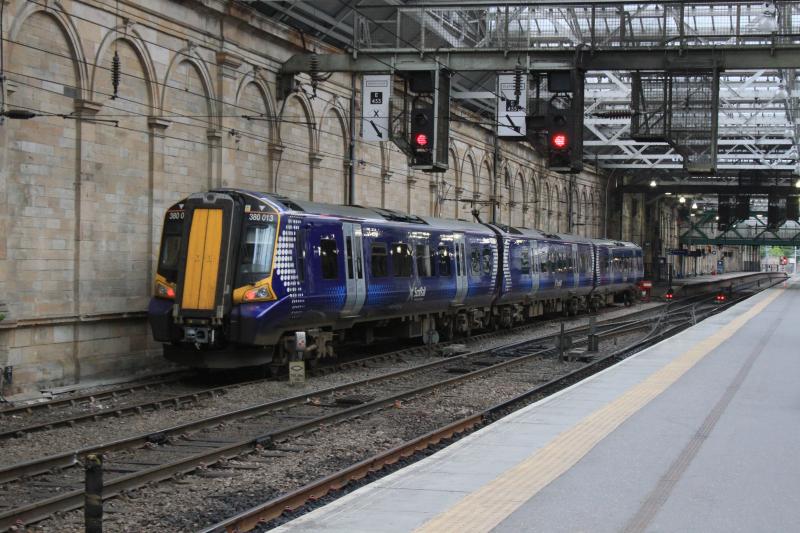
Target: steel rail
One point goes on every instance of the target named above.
(259, 515)
(101, 394)
(178, 400)
(74, 499)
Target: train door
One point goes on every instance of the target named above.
(206, 253)
(533, 249)
(576, 266)
(461, 268)
(354, 269)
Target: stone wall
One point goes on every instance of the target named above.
(83, 186)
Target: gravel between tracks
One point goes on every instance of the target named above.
(252, 479)
(65, 439)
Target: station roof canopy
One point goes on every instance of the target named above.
(754, 46)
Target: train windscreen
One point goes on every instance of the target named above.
(257, 251)
(171, 245)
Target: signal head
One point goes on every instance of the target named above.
(421, 140)
(559, 140)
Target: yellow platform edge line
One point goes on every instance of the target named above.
(485, 508)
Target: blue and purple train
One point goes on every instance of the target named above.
(240, 272)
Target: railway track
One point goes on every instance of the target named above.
(92, 407)
(36, 489)
(286, 506)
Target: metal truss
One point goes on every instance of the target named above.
(751, 232)
(755, 46)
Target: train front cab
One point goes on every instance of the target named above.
(217, 252)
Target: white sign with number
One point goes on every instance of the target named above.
(511, 110)
(375, 92)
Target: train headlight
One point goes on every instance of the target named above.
(261, 292)
(164, 289)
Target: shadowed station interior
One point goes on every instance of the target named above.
(414, 265)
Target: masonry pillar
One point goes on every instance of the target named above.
(314, 163)
(227, 75)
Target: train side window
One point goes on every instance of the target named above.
(424, 262)
(379, 264)
(444, 261)
(487, 260)
(524, 260)
(401, 260)
(475, 262)
(329, 255)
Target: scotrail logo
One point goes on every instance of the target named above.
(418, 293)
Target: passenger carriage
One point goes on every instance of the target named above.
(240, 272)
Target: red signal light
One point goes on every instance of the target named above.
(421, 139)
(559, 140)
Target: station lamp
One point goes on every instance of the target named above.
(797, 183)
(653, 183)
(682, 199)
(694, 205)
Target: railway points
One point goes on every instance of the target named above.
(646, 444)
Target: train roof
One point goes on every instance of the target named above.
(377, 214)
(374, 214)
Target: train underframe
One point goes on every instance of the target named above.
(321, 342)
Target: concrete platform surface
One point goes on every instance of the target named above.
(698, 433)
(708, 278)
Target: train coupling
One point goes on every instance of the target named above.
(198, 335)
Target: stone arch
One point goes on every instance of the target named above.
(120, 193)
(548, 213)
(532, 201)
(564, 209)
(262, 85)
(131, 36)
(516, 199)
(293, 177)
(469, 180)
(333, 142)
(448, 188)
(187, 154)
(189, 55)
(585, 219)
(250, 140)
(557, 208)
(503, 189)
(65, 24)
(485, 181)
(40, 166)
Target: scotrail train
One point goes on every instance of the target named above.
(240, 272)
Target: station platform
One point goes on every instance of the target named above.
(697, 433)
(683, 287)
